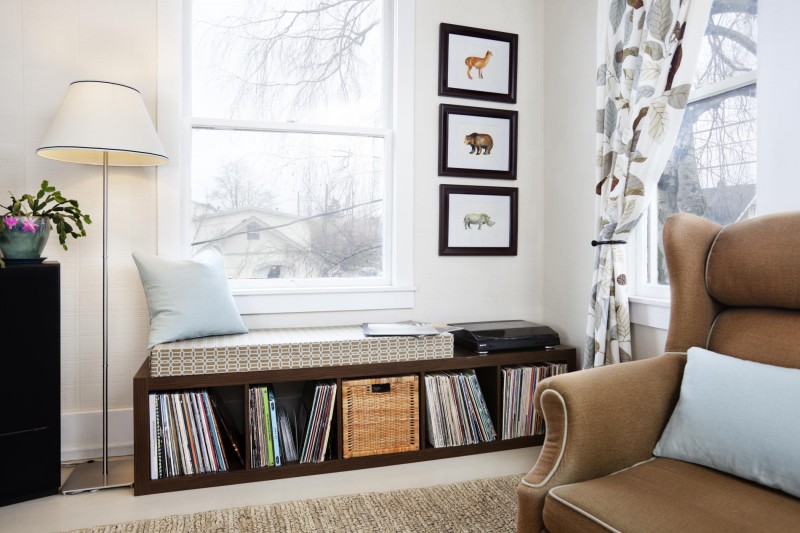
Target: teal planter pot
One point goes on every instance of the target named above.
(23, 238)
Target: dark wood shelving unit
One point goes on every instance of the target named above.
(487, 367)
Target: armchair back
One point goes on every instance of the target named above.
(736, 290)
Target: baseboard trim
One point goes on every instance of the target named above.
(82, 434)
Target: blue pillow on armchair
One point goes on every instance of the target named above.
(739, 417)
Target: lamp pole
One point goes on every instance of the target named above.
(105, 318)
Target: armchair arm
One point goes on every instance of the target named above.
(598, 421)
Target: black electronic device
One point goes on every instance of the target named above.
(488, 337)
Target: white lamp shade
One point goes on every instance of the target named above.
(100, 116)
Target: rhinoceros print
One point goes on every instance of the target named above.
(477, 218)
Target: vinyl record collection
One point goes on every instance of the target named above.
(457, 412)
(282, 434)
(318, 428)
(192, 433)
(187, 435)
(265, 444)
(519, 386)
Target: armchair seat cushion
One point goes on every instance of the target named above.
(665, 495)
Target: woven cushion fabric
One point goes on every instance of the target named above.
(665, 496)
(738, 417)
(756, 263)
(770, 336)
(290, 348)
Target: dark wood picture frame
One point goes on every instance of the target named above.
(449, 245)
(504, 57)
(452, 143)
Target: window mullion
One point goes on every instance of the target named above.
(724, 86)
(290, 127)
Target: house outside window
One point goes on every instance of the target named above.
(291, 113)
(712, 170)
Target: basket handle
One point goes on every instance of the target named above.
(382, 387)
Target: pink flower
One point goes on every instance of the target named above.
(29, 224)
(10, 221)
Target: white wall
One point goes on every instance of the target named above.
(49, 43)
(569, 165)
(46, 45)
(778, 81)
(478, 288)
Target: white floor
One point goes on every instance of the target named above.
(62, 513)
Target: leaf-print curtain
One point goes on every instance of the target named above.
(648, 53)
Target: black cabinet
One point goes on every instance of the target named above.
(30, 381)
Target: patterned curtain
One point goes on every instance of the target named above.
(648, 51)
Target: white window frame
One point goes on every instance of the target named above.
(174, 201)
(652, 300)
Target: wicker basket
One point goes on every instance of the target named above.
(380, 415)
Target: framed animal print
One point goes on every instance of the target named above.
(478, 64)
(477, 142)
(477, 220)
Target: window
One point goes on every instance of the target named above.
(254, 232)
(712, 170)
(288, 127)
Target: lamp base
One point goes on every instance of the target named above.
(88, 477)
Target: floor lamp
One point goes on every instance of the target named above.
(102, 123)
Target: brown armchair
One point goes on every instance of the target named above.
(735, 290)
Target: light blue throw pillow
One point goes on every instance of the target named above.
(187, 298)
(738, 417)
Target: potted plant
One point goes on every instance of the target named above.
(25, 226)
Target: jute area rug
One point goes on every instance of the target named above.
(479, 506)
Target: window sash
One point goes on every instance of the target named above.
(265, 285)
(174, 200)
(644, 256)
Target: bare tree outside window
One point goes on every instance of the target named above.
(288, 144)
(236, 188)
(712, 170)
(290, 60)
(730, 44)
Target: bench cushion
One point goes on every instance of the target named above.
(665, 495)
(289, 348)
